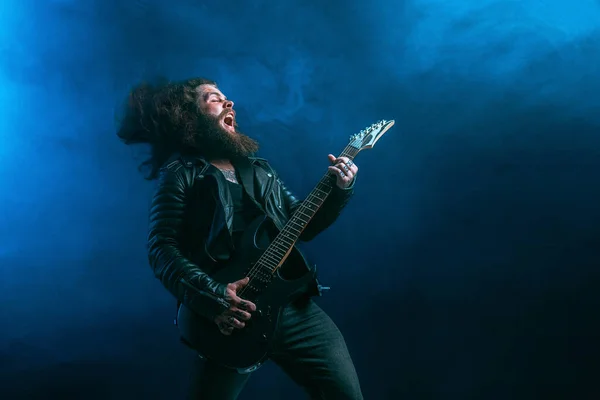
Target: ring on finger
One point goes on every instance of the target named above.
(345, 167)
(349, 163)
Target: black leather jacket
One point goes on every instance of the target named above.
(191, 220)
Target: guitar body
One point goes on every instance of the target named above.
(247, 348)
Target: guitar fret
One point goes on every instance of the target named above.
(284, 240)
(281, 248)
(287, 234)
(314, 205)
(310, 202)
(279, 242)
(291, 236)
(269, 255)
(270, 265)
(276, 255)
(303, 213)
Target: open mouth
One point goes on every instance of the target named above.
(228, 120)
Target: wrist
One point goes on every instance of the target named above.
(349, 186)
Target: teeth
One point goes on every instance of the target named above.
(228, 120)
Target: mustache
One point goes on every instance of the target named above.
(226, 112)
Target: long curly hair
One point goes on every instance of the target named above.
(164, 115)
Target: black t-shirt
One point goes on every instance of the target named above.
(244, 209)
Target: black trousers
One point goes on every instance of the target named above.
(308, 347)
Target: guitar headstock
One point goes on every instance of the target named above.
(367, 138)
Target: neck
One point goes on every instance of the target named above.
(222, 164)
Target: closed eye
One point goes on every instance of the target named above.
(212, 97)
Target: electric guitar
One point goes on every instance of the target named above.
(263, 256)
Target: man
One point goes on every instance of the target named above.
(204, 167)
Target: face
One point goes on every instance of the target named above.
(213, 103)
(218, 135)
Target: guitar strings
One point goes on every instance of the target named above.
(270, 251)
(303, 206)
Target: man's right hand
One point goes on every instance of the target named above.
(239, 309)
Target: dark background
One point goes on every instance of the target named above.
(465, 267)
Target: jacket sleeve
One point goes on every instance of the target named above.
(326, 215)
(185, 280)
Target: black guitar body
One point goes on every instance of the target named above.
(247, 348)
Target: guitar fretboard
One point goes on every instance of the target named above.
(280, 247)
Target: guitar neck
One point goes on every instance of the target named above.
(289, 235)
(274, 256)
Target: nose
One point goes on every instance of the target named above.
(228, 104)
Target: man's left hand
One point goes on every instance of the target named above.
(344, 170)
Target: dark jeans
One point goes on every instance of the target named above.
(308, 347)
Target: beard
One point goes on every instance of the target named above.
(213, 142)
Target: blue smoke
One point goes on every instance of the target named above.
(474, 216)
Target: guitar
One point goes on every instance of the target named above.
(264, 256)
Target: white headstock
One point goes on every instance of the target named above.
(367, 138)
